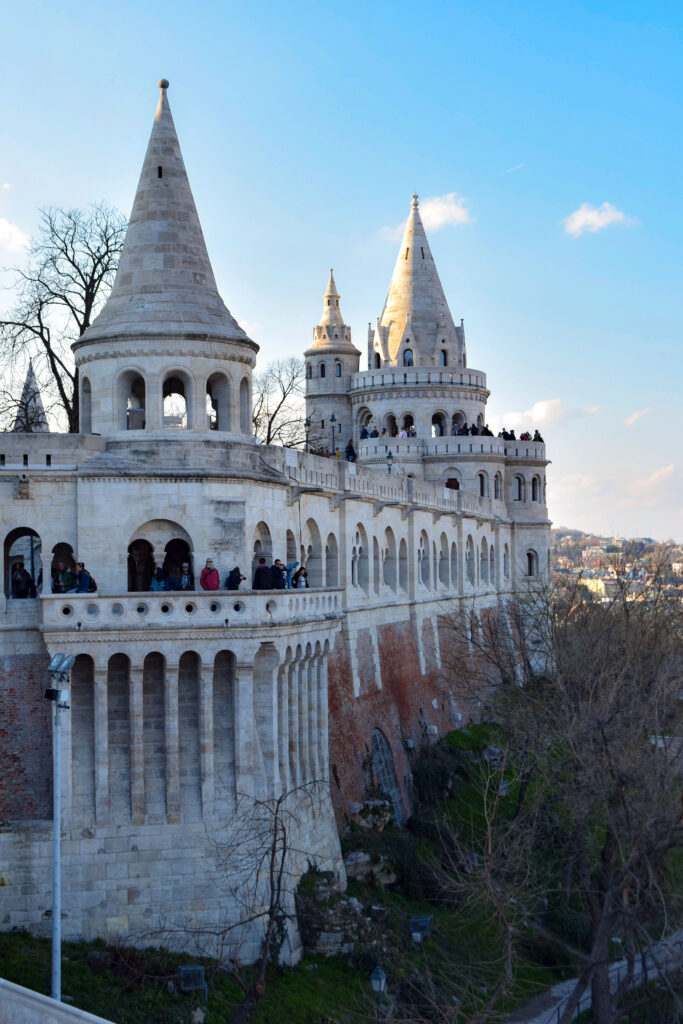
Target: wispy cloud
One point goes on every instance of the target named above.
(594, 218)
(437, 212)
(646, 491)
(6, 186)
(630, 420)
(517, 167)
(546, 413)
(590, 409)
(12, 238)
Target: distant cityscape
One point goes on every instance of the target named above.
(605, 563)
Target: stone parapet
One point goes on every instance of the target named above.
(403, 376)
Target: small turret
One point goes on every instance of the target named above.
(331, 361)
(30, 418)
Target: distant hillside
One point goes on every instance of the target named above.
(570, 544)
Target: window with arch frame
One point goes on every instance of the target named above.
(408, 357)
(322, 369)
(337, 369)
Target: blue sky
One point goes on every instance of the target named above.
(305, 127)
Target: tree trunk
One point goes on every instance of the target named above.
(601, 998)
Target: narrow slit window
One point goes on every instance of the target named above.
(407, 251)
(48, 460)
(160, 172)
(2, 460)
(422, 251)
(26, 460)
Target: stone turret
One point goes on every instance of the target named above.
(331, 362)
(416, 327)
(30, 418)
(165, 351)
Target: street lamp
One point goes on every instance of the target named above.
(378, 980)
(307, 427)
(390, 461)
(333, 421)
(59, 669)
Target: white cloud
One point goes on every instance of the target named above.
(544, 413)
(590, 409)
(630, 420)
(436, 212)
(594, 218)
(251, 327)
(574, 489)
(5, 186)
(646, 491)
(12, 238)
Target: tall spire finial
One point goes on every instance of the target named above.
(163, 83)
(415, 203)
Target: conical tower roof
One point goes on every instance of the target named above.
(164, 284)
(416, 298)
(30, 418)
(332, 332)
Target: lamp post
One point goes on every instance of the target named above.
(390, 462)
(333, 421)
(59, 669)
(307, 427)
(378, 980)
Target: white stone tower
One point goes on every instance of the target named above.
(331, 362)
(165, 353)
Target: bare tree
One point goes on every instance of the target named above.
(70, 271)
(587, 697)
(279, 410)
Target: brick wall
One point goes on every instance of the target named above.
(25, 738)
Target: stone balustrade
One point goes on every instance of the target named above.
(217, 608)
(416, 447)
(401, 375)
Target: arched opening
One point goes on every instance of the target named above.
(322, 370)
(131, 401)
(506, 563)
(245, 407)
(176, 398)
(454, 564)
(23, 563)
(189, 760)
(531, 563)
(218, 402)
(337, 369)
(331, 562)
(443, 357)
(403, 565)
(390, 425)
(481, 485)
(360, 559)
(497, 486)
(290, 547)
(309, 372)
(451, 479)
(469, 560)
(140, 565)
(407, 422)
(443, 560)
(375, 565)
(480, 420)
(378, 361)
(438, 424)
(176, 554)
(518, 488)
(82, 717)
(389, 560)
(458, 420)
(263, 546)
(313, 559)
(224, 726)
(385, 774)
(535, 489)
(484, 562)
(423, 559)
(492, 564)
(85, 410)
(63, 562)
(408, 357)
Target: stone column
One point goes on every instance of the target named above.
(171, 743)
(153, 403)
(101, 730)
(312, 680)
(137, 750)
(323, 713)
(244, 728)
(293, 716)
(206, 736)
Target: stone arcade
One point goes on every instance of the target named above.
(180, 702)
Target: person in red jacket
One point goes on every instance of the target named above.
(209, 578)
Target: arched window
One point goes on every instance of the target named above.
(360, 561)
(218, 402)
(443, 357)
(291, 547)
(407, 422)
(389, 559)
(535, 490)
(313, 560)
(454, 564)
(423, 559)
(518, 489)
(376, 565)
(506, 563)
(322, 369)
(484, 562)
(481, 484)
(403, 565)
(469, 560)
(176, 394)
(245, 407)
(453, 483)
(438, 424)
(492, 564)
(337, 369)
(140, 565)
(390, 425)
(331, 562)
(130, 393)
(85, 411)
(385, 773)
(309, 372)
(23, 562)
(531, 563)
(443, 560)
(497, 486)
(408, 357)
(263, 545)
(378, 361)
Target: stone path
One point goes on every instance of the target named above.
(547, 1007)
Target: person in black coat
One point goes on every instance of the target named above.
(234, 579)
(263, 576)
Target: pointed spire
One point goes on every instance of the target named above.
(331, 310)
(165, 284)
(416, 298)
(30, 418)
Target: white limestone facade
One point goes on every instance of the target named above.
(185, 704)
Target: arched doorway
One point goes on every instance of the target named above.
(140, 565)
(23, 550)
(177, 551)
